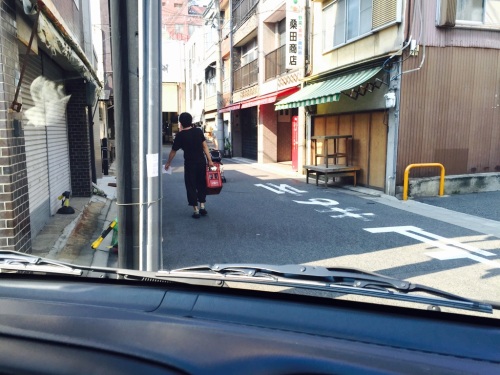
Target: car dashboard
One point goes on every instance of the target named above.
(61, 325)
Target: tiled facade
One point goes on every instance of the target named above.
(79, 139)
(14, 201)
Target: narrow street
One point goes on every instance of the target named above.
(261, 217)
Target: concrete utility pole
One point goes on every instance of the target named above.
(219, 83)
(150, 138)
(124, 24)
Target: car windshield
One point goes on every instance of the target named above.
(291, 146)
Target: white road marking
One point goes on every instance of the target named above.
(343, 212)
(281, 189)
(450, 249)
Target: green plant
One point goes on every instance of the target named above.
(227, 144)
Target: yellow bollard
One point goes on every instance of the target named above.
(423, 165)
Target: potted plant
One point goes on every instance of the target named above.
(227, 147)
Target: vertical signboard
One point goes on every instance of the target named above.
(295, 28)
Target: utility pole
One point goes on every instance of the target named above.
(124, 26)
(150, 140)
(231, 75)
(219, 84)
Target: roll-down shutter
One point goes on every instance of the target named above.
(249, 146)
(36, 149)
(57, 139)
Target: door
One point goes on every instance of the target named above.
(378, 151)
(248, 120)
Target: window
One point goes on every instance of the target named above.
(249, 52)
(242, 10)
(282, 32)
(210, 81)
(470, 11)
(275, 61)
(200, 93)
(179, 29)
(351, 19)
(211, 37)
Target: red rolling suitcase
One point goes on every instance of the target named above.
(214, 179)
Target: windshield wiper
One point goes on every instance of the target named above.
(340, 280)
(24, 263)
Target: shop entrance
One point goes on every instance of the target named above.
(369, 142)
(248, 121)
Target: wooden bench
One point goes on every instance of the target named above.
(332, 170)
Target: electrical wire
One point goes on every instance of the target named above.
(418, 6)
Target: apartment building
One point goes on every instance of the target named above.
(180, 18)
(237, 77)
(260, 79)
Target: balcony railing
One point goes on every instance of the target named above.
(247, 75)
(275, 63)
(242, 11)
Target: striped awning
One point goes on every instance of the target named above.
(326, 91)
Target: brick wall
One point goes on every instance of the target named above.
(14, 201)
(79, 139)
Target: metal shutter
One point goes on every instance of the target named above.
(248, 118)
(36, 151)
(57, 140)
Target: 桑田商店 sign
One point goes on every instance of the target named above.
(295, 28)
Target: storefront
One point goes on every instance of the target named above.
(350, 103)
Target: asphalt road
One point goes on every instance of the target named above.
(262, 217)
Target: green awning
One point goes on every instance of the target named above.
(326, 91)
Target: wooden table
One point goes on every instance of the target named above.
(336, 154)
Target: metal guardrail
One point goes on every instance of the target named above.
(423, 165)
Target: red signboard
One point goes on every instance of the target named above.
(295, 143)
